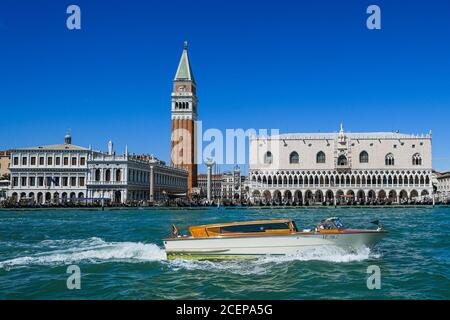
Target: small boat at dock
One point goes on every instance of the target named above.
(265, 237)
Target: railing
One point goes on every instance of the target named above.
(106, 182)
(343, 167)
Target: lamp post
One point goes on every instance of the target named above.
(209, 163)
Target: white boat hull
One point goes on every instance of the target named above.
(265, 245)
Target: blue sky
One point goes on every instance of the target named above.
(299, 67)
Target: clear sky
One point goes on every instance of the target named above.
(296, 66)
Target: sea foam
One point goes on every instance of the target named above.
(93, 250)
(263, 264)
(96, 250)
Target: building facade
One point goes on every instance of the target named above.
(233, 185)
(312, 168)
(443, 186)
(184, 115)
(51, 173)
(4, 187)
(5, 159)
(126, 178)
(66, 172)
(216, 185)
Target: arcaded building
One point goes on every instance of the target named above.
(319, 167)
(66, 172)
(50, 173)
(125, 177)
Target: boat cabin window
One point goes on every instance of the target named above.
(253, 228)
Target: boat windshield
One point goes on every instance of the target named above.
(331, 224)
(338, 224)
(253, 228)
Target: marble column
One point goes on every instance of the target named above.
(209, 163)
(151, 183)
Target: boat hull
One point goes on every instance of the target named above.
(254, 246)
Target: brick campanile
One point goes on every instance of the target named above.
(184, 114)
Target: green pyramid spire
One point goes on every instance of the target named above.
(184, 71)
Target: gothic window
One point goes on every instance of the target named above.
(342, 160)
(293, 158)
(268, 158)
(417, 159)
(320, 158)
(364, 157)
(389, 159)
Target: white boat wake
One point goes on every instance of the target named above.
(263, 264)
(95, 250)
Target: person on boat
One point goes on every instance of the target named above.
(174, 231)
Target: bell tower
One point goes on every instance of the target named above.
(184, 114)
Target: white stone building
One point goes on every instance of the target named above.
(322, 167)
(4, 187)
(124, 178)
(64, 172)
(443, 186)
(49, 173)
(216, 185)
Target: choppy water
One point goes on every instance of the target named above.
(121, 257)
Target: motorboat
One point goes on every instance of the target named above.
(265, 237)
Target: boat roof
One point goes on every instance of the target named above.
(243, 223)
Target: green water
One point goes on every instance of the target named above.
(120, 256)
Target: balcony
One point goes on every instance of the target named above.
(343, 167)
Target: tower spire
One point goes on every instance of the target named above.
(184, 71)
